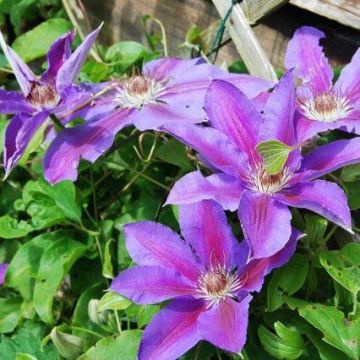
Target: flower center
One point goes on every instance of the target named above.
(270, 184)
(43, 95)
(139, 91)
(326, 107)
(217, 284)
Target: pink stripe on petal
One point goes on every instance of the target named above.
(205, 228)
(265, 223)
(151, 284)
(173, 331)
(231, 112)
(151, 243)
(330, 157)
(225, 325)
(213, 145)
(323, 197)
(348, 83)
(87, 141)
(306, 57)
(224, 189)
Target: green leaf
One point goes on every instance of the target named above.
(286, 344)
(113, 301)
(350, 173)
(35, 143)
(22, 356)
(173, 152)
(10, 313)
(343, 266)
(274, 154)
(94, 72)
(24, 266)
(315, 227)
(54, 265)
(353, 192)
(19, 11)
(107, 270)
(286, 281)
(81, 318)
(49, 205)
(125, 54)
(342, 333)
(11, 228)
(30, 47)
(26, 343)
(111, 347)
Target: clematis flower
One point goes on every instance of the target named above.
(241, 180)
(322, 104)
(168, 90)
(53, 93)
(207, 275)
(3, 268)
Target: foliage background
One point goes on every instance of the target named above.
(64, 243)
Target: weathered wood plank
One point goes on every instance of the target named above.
(245, 41)
(346, 12)
(123, 22)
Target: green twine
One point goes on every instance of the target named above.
(220, 32)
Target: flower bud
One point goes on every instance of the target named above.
(69, 346)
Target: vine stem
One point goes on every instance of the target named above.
(140, 173)
(330, 234)
(86, 331)
(118, 323)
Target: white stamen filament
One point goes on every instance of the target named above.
(327, 107)
(269, 184)
(139, 91)
(218, 283)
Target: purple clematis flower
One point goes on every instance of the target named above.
(208, 276)
(322, 105)
(242, 181)
(53, 93)
(168, 90)
(3, 268)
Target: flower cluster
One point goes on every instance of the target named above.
(208, 273)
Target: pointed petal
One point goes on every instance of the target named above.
(279, 112)
(13, 102)
(172, 69)
(348, 82)
(151, 284)
(251, 86)
(205, 228)
(24, 76)
(306, 57)
(231, 112)
(70, 70)
(19, 133)
(3, 268)
(173, 331)
(175, 109)
(265, 223)
(193, 187)
(225, 325)
(151, 243)
(87, 141)
(217, 149)
(58, 53)
(307, 129)
(323, 197)
(254, 272)
(329, 157)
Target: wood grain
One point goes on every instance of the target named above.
(123, 22)
(346, 12)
